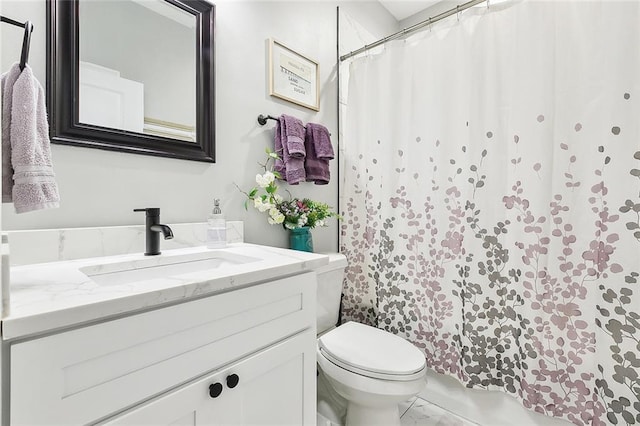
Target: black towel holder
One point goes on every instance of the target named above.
(26, 44)
(262, 119)
(26, 39)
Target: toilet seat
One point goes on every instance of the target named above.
(372, 352)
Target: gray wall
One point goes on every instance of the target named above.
(140, 45)
(100, 188)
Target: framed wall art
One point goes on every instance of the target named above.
(293, 77)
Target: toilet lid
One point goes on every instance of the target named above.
(372, 352)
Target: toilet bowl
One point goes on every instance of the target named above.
(363, 372)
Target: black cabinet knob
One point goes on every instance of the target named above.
(215, 390)
(232, 380)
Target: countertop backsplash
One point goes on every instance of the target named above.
(51, 245)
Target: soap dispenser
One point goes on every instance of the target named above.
(216, 227)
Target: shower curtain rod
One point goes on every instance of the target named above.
(413, 28)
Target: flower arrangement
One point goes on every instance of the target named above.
(293, 213)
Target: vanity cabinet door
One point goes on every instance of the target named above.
(275, 386)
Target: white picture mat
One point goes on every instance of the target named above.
(293, 77)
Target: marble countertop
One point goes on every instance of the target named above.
(52, 296)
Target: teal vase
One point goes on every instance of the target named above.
(300, 239)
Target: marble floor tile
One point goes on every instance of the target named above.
(404, 406)
(423, 413)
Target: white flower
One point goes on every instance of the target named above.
(260, 206)
(320, 223)
(275, 217)
(277, 198)
(289, 225)
(302, 220)
(265, 180)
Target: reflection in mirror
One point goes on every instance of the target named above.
(140, 75)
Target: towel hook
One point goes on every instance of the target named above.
(26, 43)
(26, 40)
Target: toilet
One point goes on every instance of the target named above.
(363, 372)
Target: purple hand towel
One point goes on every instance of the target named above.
(279, 149)
(290, 167)
(294, 136)
(319, 151)
(34, 185)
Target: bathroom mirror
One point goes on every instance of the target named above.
(133, 76)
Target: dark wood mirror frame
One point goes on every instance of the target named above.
(63, 89)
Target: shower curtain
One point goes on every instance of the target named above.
(492, 202)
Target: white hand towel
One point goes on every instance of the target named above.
(8, 80)
(34, 185)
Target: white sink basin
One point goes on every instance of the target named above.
(162, 267)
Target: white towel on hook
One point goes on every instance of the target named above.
(8, 80)
(34, 185)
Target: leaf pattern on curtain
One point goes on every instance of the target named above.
(507, 250)
(620, 318)
(492, 284)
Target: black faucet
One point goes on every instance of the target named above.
(153, 230)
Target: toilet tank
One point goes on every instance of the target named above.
(330, 279)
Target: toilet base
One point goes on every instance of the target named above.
(360, 415)
(331, 406)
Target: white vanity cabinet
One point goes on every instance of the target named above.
(167, 365)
